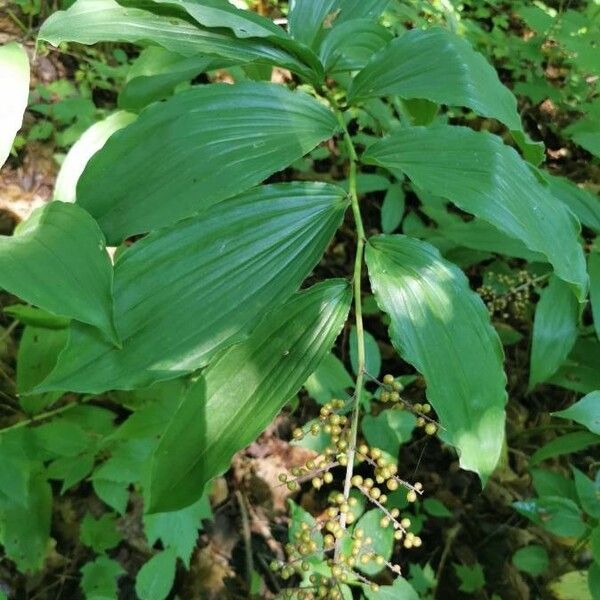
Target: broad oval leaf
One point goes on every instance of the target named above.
(223, 14)
(245, 24)
(99, 578)
(26, 527)
(156, 73)
(218, 139)
(554, 330)
(439, 66)
(585, 411)
(581, 201)
(443, 329)
(156, 577)
(14, 83)
(241, 392)
(349, 46)
(84, 148)
(93, 21)
(483, 176)
(185, 292)
(57, 260)
(308, 19)
(38, 350)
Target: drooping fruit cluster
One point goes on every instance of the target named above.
(345, 546)
(508, 295)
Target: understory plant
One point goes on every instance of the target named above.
(177, 274)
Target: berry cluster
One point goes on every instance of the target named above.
(508, 295)
(390, 392)
(345, 546)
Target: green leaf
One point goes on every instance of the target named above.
(422, 578)
(62, 250)
(472, 578)
(532, 560)
(128, 460)
(100, 534)
(435, 508)
(443, 328)
(550, 483)
(439, 66)
(298, 517)
(594, 271)
(595, 544)
(554, 330)
(241, 392)
(588, 492)
(350, 45)
(223, 14)
(38, 351)
(98, 580)
(179, 529)
(14, 81)
(581, 371)
(25, 529)
(383, 539)
(481, 175)
(571, 586)
(149, 420)
(392, 209)
(330, 380)
(585, 412)
(92, 21)
(593, 582)
(244, 133)
(113, 493)
(15, 471)
(71, 469)
(399, 590)
(155, 579)
(389, 430)
(156, 73)
(229, 264)
(583, 203)
(565, 444)
(308, 19)
(372, 353)
(84, 148)
(30, 315)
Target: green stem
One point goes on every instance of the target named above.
(46, 415)
(360, 332)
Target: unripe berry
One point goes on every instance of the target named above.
(430, 429)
